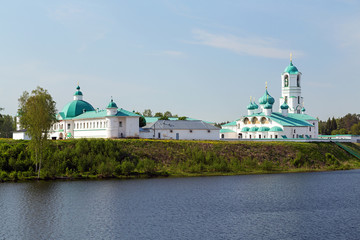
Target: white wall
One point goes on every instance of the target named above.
(202, 134)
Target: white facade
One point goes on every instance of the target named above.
(263, 123)
(181, 130)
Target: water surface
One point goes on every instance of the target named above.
(278, 206)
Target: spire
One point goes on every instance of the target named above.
(291, 57)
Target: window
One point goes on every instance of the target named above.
(208, 131)
(259, 136)
(286, 99)
(87, 125)
(298, 81)
(275, 136)
(191, 131)
(286, 81)
(222, 136)
(297, 135)
(270, 136)
(250, 136)
(97, 124)
(298, 99)
(294, 131)
(120, 124)
(171, 131)
(68, 126)
(309, 129)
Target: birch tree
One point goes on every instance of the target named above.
(37, 114)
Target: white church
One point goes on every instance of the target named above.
(79, 119)
(261, 121)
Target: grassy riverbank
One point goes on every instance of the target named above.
(133, 158)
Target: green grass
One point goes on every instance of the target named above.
(139, 158)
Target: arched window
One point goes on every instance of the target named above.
(246, 121)
(255, 120)
(298, 80)
(263, 120)
(298, 99)
(286, 81)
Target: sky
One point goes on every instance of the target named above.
(202, 59)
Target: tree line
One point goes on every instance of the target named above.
(348, 124)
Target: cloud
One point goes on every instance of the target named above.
(244, 45)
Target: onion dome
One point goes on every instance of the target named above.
(284, 106)
(78, 92)
(291, 69)
(276, 129)
(268, 106)
(112, 104)
(303, 109)
(266, 98)
(255, 105)
(250, 106)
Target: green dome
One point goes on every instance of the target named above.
(78, 92)
(112, 104)
(291, 69)
(76, 107)
(268, 106)
(303, 109)
(250, 106)
(245, 129)
(276, 129)
(264, 129)
(266, 98)
(255, 105)
(253, 129)
(284, 106)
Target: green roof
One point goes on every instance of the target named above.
(75, 108)
(263, 129)
(253, 129)
(245, 129)
(77, 93)
(276, 129)
(233, 123)
(291, 69)
(102, 113)
(292, 120)
(226, 131)
(268, 106)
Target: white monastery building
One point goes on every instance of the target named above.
(262, 121)
(79, 119)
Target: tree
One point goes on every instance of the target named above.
(6, 126)
(355, 129)
(182, 118)
(158, 114)
(167, 114)
(142, 121)
(147, 113)
(37, 114)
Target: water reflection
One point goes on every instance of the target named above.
(281, 206)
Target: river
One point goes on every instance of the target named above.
(320, 205)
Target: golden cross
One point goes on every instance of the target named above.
(266, 85)
(290, 57)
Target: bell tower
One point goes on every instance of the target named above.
(291, 88)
